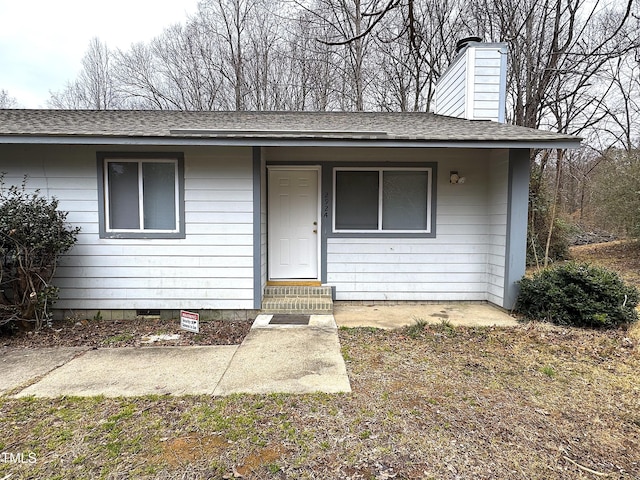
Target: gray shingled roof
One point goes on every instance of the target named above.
(265, 127)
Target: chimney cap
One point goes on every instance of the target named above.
(461, 44)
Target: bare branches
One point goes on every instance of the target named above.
(377, 18)
(7, 101)
(95, 88)
(371, 54)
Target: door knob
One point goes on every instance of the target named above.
(315, 231)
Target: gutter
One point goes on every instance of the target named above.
(258, 141)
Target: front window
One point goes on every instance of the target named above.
(141, 197)
(387, 200)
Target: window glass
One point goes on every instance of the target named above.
(123, 195)
(159, 195)
(141, 198)
(357, 200)
(404, 200)
(382, 200)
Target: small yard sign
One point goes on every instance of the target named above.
(190, 321)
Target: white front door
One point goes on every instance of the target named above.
(293, 223)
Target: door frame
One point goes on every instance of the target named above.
(318, 169)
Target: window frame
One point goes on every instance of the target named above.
(430, 209)
(103, 160)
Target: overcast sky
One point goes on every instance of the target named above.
(42, 41)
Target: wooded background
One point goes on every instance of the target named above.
(573, 67)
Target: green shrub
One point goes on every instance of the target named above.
(33, 235)
(578, 294)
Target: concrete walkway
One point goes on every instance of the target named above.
(288, 359)
(23, 366)
(272, 358)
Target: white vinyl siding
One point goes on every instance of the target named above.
(474, 85)
(450, 91)
(487, 75)
(385, 269)
(464, 261)
(212, 268)
(453, 266)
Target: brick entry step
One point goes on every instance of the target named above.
(297, 300)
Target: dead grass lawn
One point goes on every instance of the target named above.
(535, 402)
(622, 256)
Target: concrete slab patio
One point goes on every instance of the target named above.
(397, 316)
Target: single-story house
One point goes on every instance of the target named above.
(199, 210)
(203, 210)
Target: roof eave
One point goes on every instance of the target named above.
(563, 143)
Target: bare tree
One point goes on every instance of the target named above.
(401, 74)
(6, 100)
(180, 69)
(267, 64)
(227, 23)
(414, 44)
(558, 51)
(621, 127)
(347, 25)
(141, 80)
(95, 88)
(363, 54)
(615, 199)
(188, 69)
(316, 65)
(556, 47)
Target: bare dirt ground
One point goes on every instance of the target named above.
(429, 402)
(125, 333)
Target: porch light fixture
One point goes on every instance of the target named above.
(455, 178)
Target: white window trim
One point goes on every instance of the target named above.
(140, 161)
(381, 171)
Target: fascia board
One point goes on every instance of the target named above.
(275, 142)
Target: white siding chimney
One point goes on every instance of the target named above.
(475, 84)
